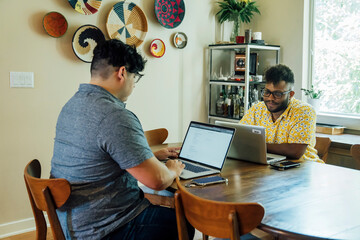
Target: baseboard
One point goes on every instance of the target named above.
(17, 227)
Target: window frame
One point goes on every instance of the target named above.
(348, 121)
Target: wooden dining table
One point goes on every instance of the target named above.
(313, 201)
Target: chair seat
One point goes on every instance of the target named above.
(161, 198)
(148, 190)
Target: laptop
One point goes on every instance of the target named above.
(249, 144)
(204, 149)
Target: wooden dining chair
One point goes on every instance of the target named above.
(45, 195)
(322, 146)
(156, 136)
(355, 153)
(213, 218)
(162, 198)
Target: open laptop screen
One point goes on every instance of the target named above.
(206, 144)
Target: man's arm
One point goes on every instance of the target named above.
(169, 152)
(290, 150)
(155, 175)
(300, 135)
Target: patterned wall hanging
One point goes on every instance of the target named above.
(180, 40)
(85, 39)
(127, 22)
(55, 24)
(157, 48)
(170, 13)
(86, 7)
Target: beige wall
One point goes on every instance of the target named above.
(170, 95)
(282, 23)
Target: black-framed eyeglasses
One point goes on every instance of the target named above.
(276, 94)
(137, 77)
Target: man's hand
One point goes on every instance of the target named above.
(170, 152)
(290, 150)
(176, 166)
(156, 175)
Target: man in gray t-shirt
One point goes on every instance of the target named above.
(100, 148)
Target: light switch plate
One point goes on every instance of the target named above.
(21, 79)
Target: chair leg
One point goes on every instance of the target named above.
(180, 218)
(205, 237)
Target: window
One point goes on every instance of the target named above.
(336, 56)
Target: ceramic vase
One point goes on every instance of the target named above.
(315, 102)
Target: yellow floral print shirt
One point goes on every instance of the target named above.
(297, 124)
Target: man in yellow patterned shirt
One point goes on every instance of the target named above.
(290, 123)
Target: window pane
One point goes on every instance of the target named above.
(337, 55)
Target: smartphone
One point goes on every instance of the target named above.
(283, 165)
(209, 180)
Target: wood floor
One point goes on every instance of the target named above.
(29, 236)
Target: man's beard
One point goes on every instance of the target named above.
(281, 107)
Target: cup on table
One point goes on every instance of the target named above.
(257, 35)
(248, 35)
(240, 39)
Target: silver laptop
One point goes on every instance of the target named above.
(249, 144)
(204, 149)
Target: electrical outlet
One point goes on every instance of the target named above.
(21, 79)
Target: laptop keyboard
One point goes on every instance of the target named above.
(194, 168)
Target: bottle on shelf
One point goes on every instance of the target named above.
(255, 96)
(220, 105)
(242, 104)
(236, 107)
(227, 108)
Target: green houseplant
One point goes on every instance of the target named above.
(312, 93)
(237, 11)
(313, 97)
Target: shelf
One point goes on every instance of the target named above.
(224, 119)
(238, 83)
(224, 58)
(233, 46)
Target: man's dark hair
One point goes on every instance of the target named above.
(279, 73)
(113, 54)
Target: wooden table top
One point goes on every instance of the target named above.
(314, 201)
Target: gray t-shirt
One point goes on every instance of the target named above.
(96, 140)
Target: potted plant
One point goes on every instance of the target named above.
(236, 11)
(313, 96)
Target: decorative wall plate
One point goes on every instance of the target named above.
(85, 39)
(157, 48)
(170, 13)
(55, 24)
(180, 40)
(86, 7)
(127, 22)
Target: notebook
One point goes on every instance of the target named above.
(249, 144)
(204, 149)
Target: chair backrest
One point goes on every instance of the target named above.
(156, 136)
(213, 218)
(322, 146)
(45, 195)
(355, 153)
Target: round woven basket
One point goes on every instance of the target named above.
(85, 39)
(55, 24)
(127, 22)
(86, 7)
